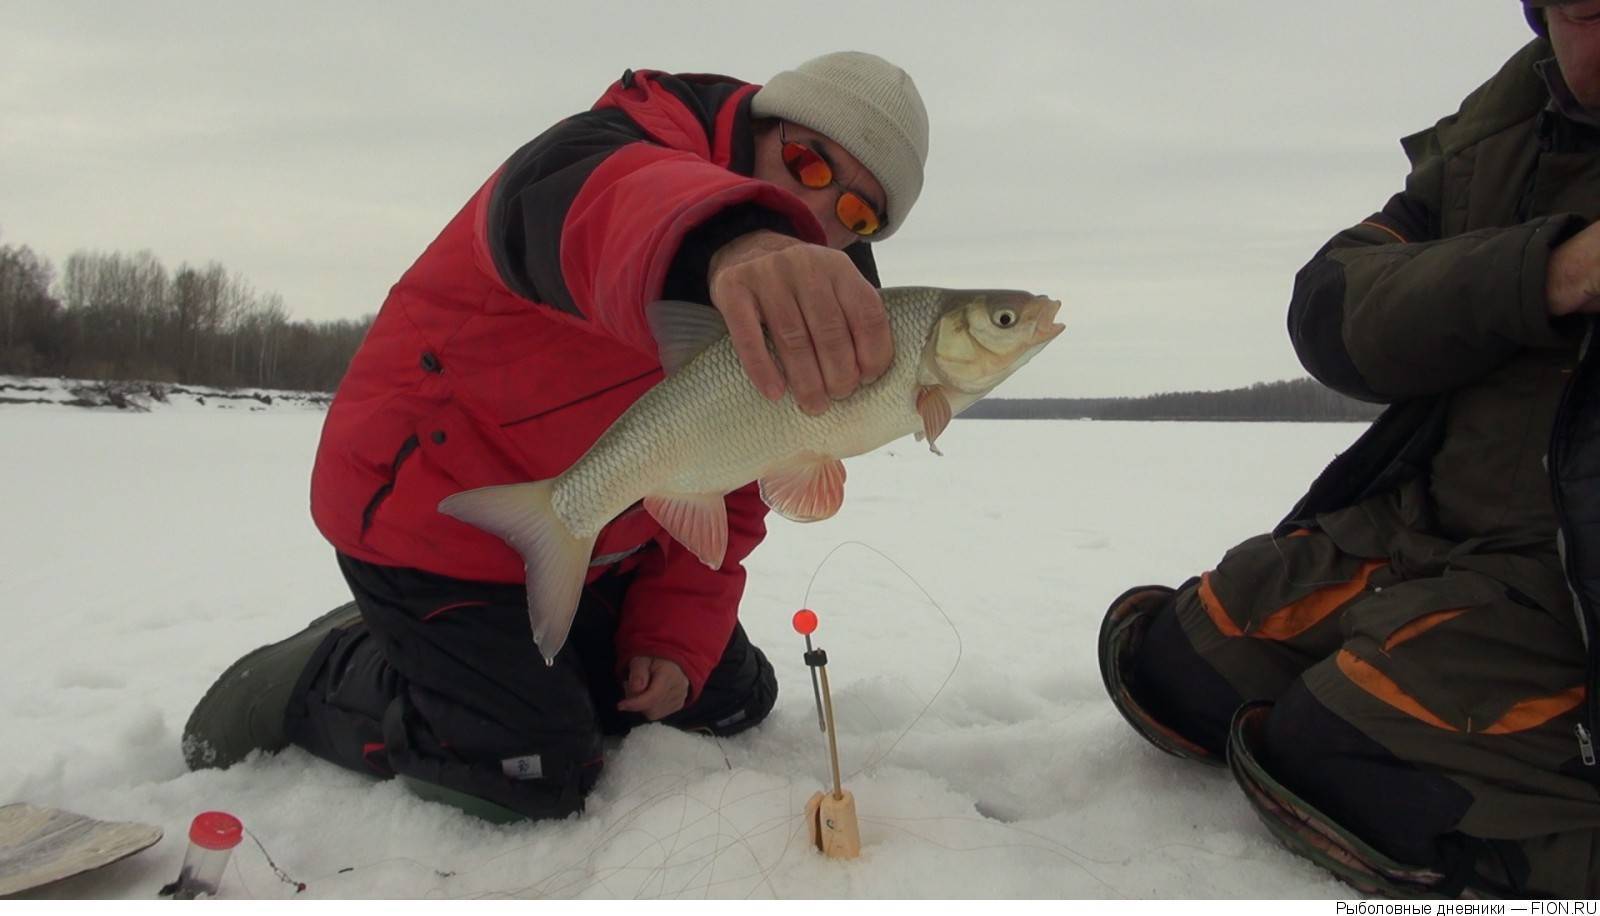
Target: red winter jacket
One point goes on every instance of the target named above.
(518, 336)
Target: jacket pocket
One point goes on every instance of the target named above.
(382, 493)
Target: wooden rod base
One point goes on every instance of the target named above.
(832, 821)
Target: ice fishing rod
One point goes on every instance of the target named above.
(830, 817)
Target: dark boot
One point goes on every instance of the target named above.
(1121, 634)
(1462, 866)
(244, 710)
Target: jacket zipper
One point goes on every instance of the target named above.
(1584, 729)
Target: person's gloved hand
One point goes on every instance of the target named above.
(655, 687)
(827, 324)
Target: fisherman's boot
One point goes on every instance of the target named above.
(244, 710)
(1121, 634)
(1467, 866)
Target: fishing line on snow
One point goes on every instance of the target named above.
(581, 875)
(954, 631)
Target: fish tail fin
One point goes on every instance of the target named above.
(556, 561)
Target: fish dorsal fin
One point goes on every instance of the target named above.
(682, 330)
(806, 488)
(934, 407)
(698, 521)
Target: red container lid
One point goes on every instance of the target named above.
(215, 830)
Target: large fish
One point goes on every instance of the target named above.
(706, 431)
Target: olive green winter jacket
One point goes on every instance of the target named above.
(1436, 305)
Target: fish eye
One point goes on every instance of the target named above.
(1005, 318)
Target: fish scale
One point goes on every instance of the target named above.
(662, 443)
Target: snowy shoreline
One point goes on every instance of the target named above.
(142, 396)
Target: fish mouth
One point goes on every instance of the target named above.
(1045, 327)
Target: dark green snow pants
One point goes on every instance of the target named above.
(1420, 701)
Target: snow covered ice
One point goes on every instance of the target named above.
(145, 552)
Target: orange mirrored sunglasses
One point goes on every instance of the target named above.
(810, 169)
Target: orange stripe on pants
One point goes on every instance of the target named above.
(1379, 685)
(1522, 716)
(1536, 712)
(1294, 618)
(1420, 626)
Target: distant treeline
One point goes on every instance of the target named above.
(1297, 399)
(118, 316)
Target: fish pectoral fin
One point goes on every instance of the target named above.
(698, 521)
(554, 560)
(682, 330)
(808, 488)
(934, 406)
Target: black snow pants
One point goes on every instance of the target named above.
(444, 687)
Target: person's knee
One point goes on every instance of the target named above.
(762, 696)
(739, 694)
(539, 778)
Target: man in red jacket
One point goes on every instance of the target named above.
(501, 355)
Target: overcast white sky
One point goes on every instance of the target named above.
(1161, 166)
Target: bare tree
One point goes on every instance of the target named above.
(126, 317)
(29, 316)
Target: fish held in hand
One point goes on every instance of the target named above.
(706, 431)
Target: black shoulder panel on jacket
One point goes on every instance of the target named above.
(536, 188)
(540, 181)
(702, 93)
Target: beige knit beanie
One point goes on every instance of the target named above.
(866, 105)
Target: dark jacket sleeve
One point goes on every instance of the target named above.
(1389, 310)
